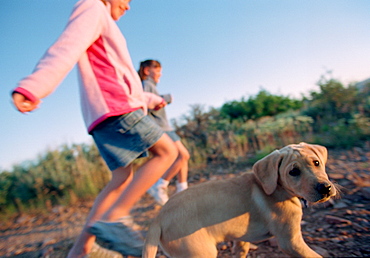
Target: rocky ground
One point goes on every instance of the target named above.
(338, 228)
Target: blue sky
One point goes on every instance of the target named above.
(211, 52)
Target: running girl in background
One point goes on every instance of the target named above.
(114, 108)
(150, 72)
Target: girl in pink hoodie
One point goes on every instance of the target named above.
(114, 108)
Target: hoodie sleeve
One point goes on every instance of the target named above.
(83, 28)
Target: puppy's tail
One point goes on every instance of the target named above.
(152, 240)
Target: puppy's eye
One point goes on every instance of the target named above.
(316, 163)
(295, 172)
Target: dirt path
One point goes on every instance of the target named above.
(339, 228)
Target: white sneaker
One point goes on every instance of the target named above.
(181, 186)
(159, 193)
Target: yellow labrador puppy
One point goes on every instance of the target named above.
(248, 208)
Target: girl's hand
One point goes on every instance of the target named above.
(161, 105)
(23, 104)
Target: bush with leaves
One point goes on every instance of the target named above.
(263, 104)
(341, 114)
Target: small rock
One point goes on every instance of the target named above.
(57, 209)
(48, 241)
(366, 192)
(336, 220)
(349, 212)
(18, 251)
(336, 176)
(358, 227)
(22, 218)
(359, 205)
(335, 240)
(358, 151)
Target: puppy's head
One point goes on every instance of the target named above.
(299, 169)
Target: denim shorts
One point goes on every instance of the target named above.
(173, 135)
(122, 139)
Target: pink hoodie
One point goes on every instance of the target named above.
(109, 83)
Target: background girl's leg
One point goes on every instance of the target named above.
(159, 191)
(180, 166)
(182, 175)
(121, 178)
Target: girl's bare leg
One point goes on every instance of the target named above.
(121, 178)
(164, 154)
(124, 189)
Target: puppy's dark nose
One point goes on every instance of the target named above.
(323, 188)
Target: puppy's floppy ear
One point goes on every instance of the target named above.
(319, 150)
(267, 171)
